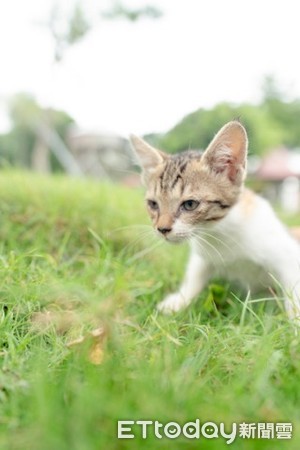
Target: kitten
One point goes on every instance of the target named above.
(233, 233)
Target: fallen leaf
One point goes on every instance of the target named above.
(93, 343)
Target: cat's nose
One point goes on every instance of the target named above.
(164, 230)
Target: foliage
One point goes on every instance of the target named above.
(63, 251)
(120, 11)
(197, 129)
(272, 123)
(69, 29)
(286, 116)
(26, 116)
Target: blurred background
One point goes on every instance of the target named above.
(77, 77)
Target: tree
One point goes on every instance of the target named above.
(271, 89)
(28, 117)
(198, 128)
(67, 30)
(285, 114)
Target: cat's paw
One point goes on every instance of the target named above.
(172, 303)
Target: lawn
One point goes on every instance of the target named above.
(82, 345)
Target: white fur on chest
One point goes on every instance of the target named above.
(251, 246)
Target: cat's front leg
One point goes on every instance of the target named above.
(291, 287)
(197, 274)
(286, 267)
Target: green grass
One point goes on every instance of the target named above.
(61, 251)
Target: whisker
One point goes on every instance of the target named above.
(217, 239)
(144, 252)
(141, 237)
(198, 237)
(193, 238)
(228, 237)
(206, 251)
(128, 227)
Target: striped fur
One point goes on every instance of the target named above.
(233, 232)
(192, 175)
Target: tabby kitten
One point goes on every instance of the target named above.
(233, 233)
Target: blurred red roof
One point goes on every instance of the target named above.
(280, 164)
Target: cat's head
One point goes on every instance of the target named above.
(190, 190)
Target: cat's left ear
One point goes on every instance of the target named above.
(227, 153)
(147, 156)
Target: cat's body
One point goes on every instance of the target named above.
(233, 233)
(250, 245)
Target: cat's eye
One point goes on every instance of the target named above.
(190, 205)
(152, 204)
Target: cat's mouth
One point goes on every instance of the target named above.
(176, 238)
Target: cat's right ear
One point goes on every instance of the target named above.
(147, 156)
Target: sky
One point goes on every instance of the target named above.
(145, 76)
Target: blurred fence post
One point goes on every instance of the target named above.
(58, 148)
